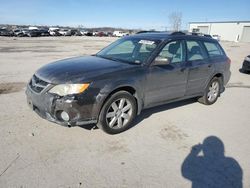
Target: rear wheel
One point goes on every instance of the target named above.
(117, 113)
(212, 92)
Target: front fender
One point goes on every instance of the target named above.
(112, 86)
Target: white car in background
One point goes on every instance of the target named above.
(119, 33)
(83, 32)
(63, 32)
(94, 33)
(54, 31)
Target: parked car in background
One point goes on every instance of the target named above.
(83, 32)
(134, 73)
(44, 32)
(120, 33)
(109, 34)
(26, 32)
(246, 65)
(33, 28)
(19, 33)
(65, 32)
(33, 33)
(75, 32)
(94, 33)
(54, 31)
(89, 33)
(216, 37)
(6, 33)
(101, 34)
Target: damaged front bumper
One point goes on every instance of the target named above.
(51, 106)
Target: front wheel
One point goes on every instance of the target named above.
(117, 113)
(212, 92)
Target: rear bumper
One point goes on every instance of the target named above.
(49, 106)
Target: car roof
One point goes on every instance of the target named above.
(171, 35)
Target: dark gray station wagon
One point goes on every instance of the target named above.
(136, 72)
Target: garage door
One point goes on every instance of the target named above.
(203, 29)
(245, 34)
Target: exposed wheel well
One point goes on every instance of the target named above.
(129, 89)
(220, 76)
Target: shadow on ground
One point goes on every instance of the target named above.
(207, 166)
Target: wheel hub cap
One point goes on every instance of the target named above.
(119, 113)
(213, 91)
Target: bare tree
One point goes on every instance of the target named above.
(175, 20)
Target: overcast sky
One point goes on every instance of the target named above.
(135, 14)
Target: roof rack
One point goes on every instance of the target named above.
(190, 33)
(178, 33)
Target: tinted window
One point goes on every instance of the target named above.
(173, 51)
(195, 51)
(213, 49)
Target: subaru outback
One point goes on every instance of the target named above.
(134, 73)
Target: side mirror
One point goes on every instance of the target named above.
(161, 61)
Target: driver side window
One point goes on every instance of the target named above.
(173, 52)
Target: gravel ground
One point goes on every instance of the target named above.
(154, 153)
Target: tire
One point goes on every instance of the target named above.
(117, 113)
(212, 92)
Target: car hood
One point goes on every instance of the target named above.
(78, 69)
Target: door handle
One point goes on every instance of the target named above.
(209, 66)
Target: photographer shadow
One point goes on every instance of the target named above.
(212, 169)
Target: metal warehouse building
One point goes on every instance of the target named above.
(230, 31)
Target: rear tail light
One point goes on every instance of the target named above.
(229, 61)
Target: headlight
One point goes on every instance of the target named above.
(68, 89)
(247, 59)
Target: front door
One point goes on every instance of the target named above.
(167, 81)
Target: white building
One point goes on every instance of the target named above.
(230, 31)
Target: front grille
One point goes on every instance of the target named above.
(37, 84)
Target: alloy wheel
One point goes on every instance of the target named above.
(119, 113)
(213, 91)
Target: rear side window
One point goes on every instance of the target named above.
(213, 49)
(195, 51)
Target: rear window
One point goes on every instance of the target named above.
(213, 49)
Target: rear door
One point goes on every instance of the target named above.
(167, 81)
(200, 67)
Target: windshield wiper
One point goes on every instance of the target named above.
(107, 57)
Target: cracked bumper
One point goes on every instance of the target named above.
(49, 107)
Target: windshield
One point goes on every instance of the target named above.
(129, 50)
